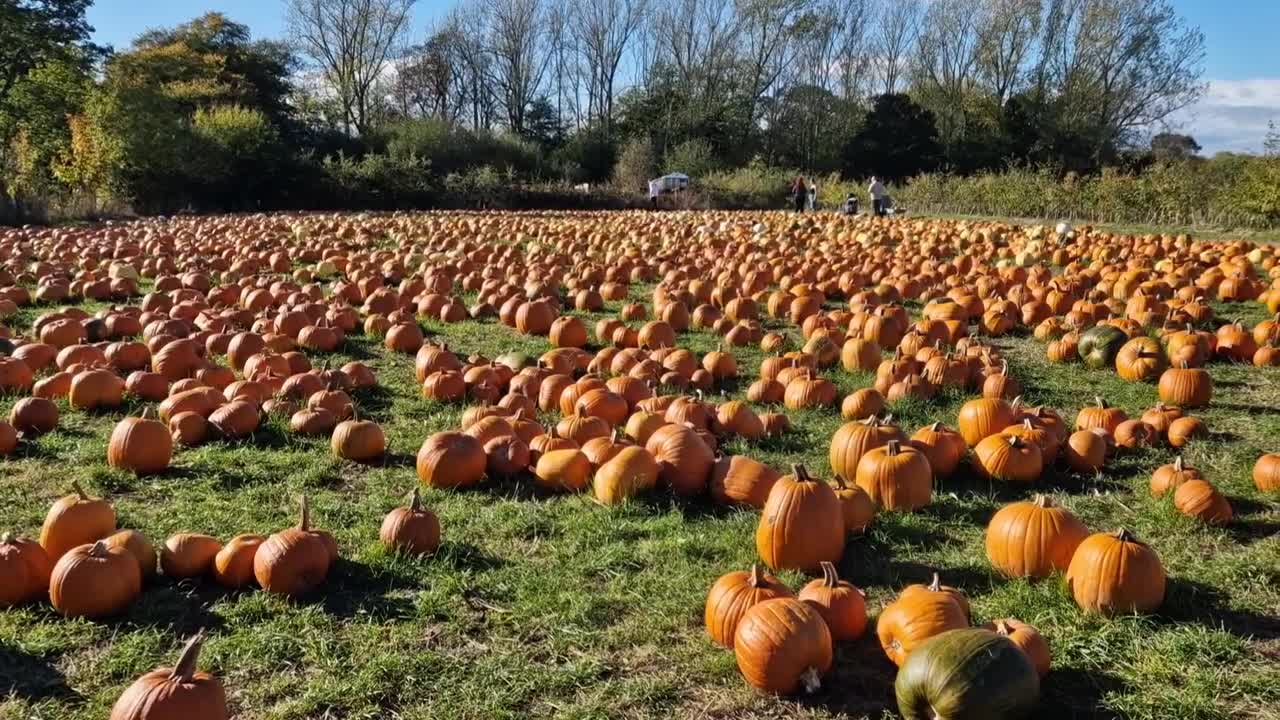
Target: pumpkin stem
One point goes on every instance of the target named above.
(840, 483)
(1026, 423)
(415, 503)
(936, 584)
(6, 538)
(1101, 403)
(893, 447)
(830, 578)
(1123, 535)
(98, 550)
(185, 670)
(811, 680)
(1178, 464)
(757, 576)
(304, 521)
(1043, 501)
(801, 474)
(1003, 628)
(75, 486)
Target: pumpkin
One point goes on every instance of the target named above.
(738, 479)
(235, 420)
(1008, 458)
(1185, 429)
(783, 645)
(1100, 416)
(627, 474)
(414, 529)
(1167, 478)
(1099, 345)
(358, 440)
(840, 603)
(732, 595)
(1033, 538)
(967, 674)
(919, 613)
(801, 524)
(34, 416)
(1086, 451)
(1185, 386)
(684, 459)
(862, 404)
(856, 506)
(563, 470)
(294, 561)
(178, 692)
(853, 440)
(451, 459)
(1114, 573)
(24, 571)
(896, 477)
(139, 547)
(737, 418)
(1028, 639)
(1141, 360)
(982, 418)
(140, 445)
(942, 446)
(1198, 499)
(233, 565)
(75, 520)
(1135, 434)
(188, 555)
(96, 389)
(94, 581)
(506, 456)
(1266, 473)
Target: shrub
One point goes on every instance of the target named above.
(694, 158)
(637, 164)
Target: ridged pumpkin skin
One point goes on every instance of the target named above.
(856, 506)
(295, 561)
(141, 445)
(631, 472)
(967, 674)
(1266, 473)
(684, 460)
(138, 546)
(1167, 478)
(842, 605)
(75, 520)
(801, 524)
(233, 565)
(783, 645)
(414, 529)
(1113, 573)
(982, 418)
(178, 692)
(896, 477)
(919, 613)
(1186, 387)
(1033, 539)
(740, 480)
(563, 471)
(732, 595)
(1028, 639)
(94, 581)
(944, 448)
(188, 555)
(358, 440)
(1202, 501)
(855, 439)
(24, 571)
(1008, 459)
(451, 459)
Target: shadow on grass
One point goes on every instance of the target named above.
(1245, 530)
(180, 609)
(354, 588)
(1191, 601)
(1250, 409)
(33, 678)
(1071, 693)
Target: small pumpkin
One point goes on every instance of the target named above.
(451, 459)
(563, 471)
(1086, 450)
(1185, 429)
(982, 418)
(1009, 458)
(358, 440)
(1199, 499)
(1100, 416)
(738, 479)
(1266, 473)
(24, 570)
(896, 477)
(630, 472)
(413, 529)
(140, 445)
(840, 603)
(178, 692)
(1167, 478)
(783, 645)
(1028, 639)
(233, 565)
(1114, 573)
(919, 613)
(296, 560)
(188, 555)
(75, 520)
(856, 506)
(732, 595)
(855, 439)
(943, 447)
(1185, 386)
(139, 547)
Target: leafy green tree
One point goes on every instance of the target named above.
(898, 139)
(39, 32)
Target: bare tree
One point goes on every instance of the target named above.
(351, 43)
(565, 68)
(856, 18)
(1005, 42)
(946, 57)
(603, 28)
(698, 38)
(895, 31)
(768, 32)
(517, 36)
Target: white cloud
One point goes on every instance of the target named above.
(1233, 115)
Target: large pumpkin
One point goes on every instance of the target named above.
(967, 674)
(732, 595)
(94, 581)
(853, 440)
(684, 459)
(178, 692)
(1033, 538)
(982, 418)
(919, 613)
(141, 445)
(896, 477)
(801, 524)
(1114, 573)
(630, 472)
(294, 561)
(738, 479)
(451, 459)
(783, 645)
(414, 529)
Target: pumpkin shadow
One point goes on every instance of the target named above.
(1246, 531)
(357, 589)
(180, 609)
(32, 677)
(373, 403)
(1071, 693)
(1247, 408)
(1190, 601)
(860, 683)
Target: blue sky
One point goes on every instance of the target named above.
(1242, 64)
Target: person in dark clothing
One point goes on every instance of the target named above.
(799, 194)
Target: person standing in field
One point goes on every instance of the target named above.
(878, 194)
(799, 193)
(813, 197)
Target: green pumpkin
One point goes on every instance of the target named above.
(517, 361)
(969, 674)
(1100, 344)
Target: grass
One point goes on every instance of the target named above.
(552, 606)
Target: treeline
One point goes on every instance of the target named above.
(515, 101)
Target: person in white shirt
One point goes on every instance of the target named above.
(813, 196)
(878, 194)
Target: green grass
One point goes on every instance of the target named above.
(552, 606)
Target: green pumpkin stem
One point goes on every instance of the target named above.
(185, 670)
(75, 487)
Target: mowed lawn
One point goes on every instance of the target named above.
(543, 605)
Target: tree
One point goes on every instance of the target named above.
(1173, 146)
(898, 139)
(351, 43)
(602, 29)
(36, 32)
(516, 42)
(894, 33)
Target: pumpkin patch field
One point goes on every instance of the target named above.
(636, 465)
